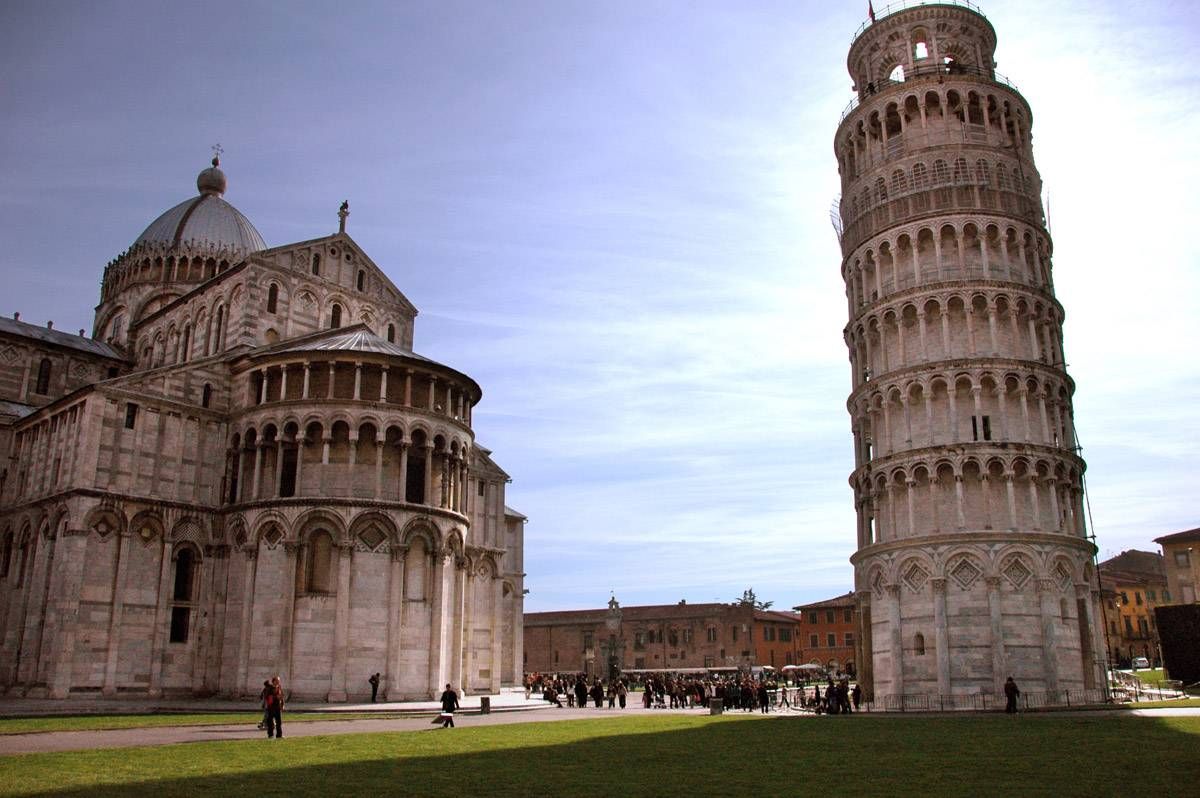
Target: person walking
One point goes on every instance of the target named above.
(622, 692)
(262, 702)
(1011, 691)
(273, 699)
(581, 692)
(374, 682)
(449, 704)
(856, 695)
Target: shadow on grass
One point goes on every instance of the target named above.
(657, 757)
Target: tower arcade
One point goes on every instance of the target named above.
(972, 561)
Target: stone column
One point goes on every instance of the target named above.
(403, 471)
(116, 615)
(248, 583)
(995, 613)
(383, 379)
(1049, 610)
(379, 444)
(357, 381)
(941, 631)
(307, 370)
(287, 636)
(436, 633)
(897, 640)
(341, 624)
(61, 659)
(395, 615)
(162, 617)
(429, 473)
(332, 374)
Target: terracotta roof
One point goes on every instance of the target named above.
(652, 612)
(1147, 563)
(777, 616)
(1180, 537)
(846, 600)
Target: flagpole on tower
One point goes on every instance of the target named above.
(871, 11)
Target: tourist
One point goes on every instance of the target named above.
(374, 682)
(764, 698)
(449, 704)
(551, 694)
(273, 698)
(622, 692)
(783, 696)
(581, 692)
(262, 702)
(612, 695)
(1011, 691)
(856, 695)
(598, 694)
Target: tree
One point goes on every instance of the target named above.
(748, 599)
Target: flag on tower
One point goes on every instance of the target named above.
(870, 10)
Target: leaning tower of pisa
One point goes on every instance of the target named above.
(972, 561)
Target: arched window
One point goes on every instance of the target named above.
(183, 596)
(43, 378)
(391, 335)
(881, 194)
(217, 327)
(272, 298)
(941, 173)
(206, 395)
(899, 183)
(362, 279)
(6, 555)
(919, 644)
(335, 316)
(1002, 176)
(983, 173)
(920, 176)
(317, 567)
(961, 175)
(185, 345)
(316, 264)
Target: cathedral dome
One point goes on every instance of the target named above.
(206, 221)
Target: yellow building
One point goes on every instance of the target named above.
(1181, 554)
(1133, 584)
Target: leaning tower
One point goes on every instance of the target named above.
(972, 561)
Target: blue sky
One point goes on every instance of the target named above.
(614, 215)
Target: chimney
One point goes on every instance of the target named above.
(49, 325)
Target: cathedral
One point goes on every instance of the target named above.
(246, 471)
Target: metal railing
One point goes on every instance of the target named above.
(983, 702)
(927, 71)
(903, 5)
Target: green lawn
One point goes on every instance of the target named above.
(1150, 675)
(96, 722)
(669, 755)
(1181, 702)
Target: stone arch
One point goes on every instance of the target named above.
(188, 528)
(318, 516)
(147, 526)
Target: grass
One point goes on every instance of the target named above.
(1180, 702)
(657, 756)
(55, 723)
(1150, 675)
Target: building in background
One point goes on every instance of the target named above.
(602, 642)
(829, 633)
(973, 561)
(1181, 558)
(246, 472)
(1132, 584)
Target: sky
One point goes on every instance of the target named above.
(615, 217)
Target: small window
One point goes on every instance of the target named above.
(1181, 559)
(131, 411)
(981, 426)
(814, 641)
(812, 617)
(335, 316)
(919, 644)
(206, 395)
(482, 488)
(785, 635)
(1137, 599)
(920, 50)
(362, 280)
(1152, 595)
(831, 639)
(391, 334)
(316, 264)
(180, 620)
(848, 616)
(43, 377)
(184, 563)
(828, 616)
(272, 298)
(849, 638)
(735, 631)
(712, 634)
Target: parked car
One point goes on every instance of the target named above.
(1140, 662)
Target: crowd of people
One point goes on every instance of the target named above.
(743, 691)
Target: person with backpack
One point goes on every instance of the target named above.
(273, 701)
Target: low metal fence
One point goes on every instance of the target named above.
(983, 702)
